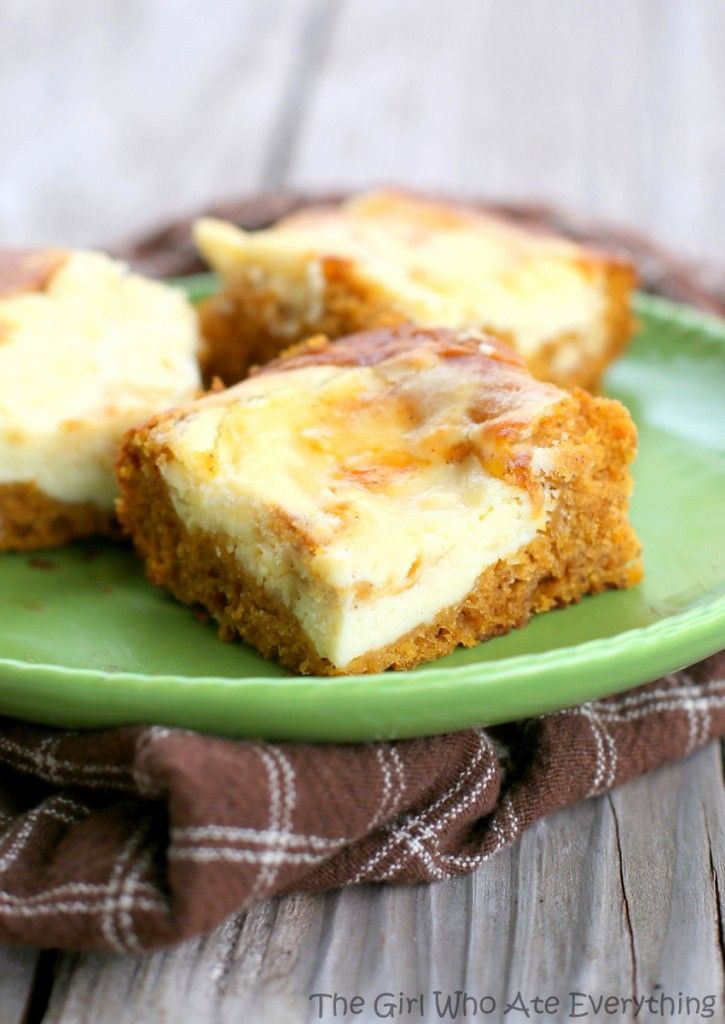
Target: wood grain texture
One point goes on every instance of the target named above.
(613, 108)
(619, 895)
(17, 979)
(121, 112)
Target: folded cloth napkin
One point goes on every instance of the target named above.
(135, 838)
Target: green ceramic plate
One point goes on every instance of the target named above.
(85, 641)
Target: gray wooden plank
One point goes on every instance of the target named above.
(118, 113)
(121, 112)
(671, 851)
(610, 107)
(311, 52)
(556, 921)
(17, 976)
(617, 895)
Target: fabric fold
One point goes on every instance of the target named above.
(133, 839)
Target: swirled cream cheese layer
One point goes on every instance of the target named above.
(366, 498)
(87, 350)
(432, 264)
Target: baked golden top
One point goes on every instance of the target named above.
(427, 248)
(371, 411)
(446, 396)
(365, 482)
(434, 264)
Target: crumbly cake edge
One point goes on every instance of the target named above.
(30, 519)
(243, 325)
(588, 546)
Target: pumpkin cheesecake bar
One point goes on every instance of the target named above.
(87, 350)
(385, 258)
(373, 502)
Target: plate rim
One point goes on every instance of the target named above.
(685, 636)
(700, 617)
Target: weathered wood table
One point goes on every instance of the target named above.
(118, 113)
(621, 896)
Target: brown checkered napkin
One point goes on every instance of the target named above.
(134, 838)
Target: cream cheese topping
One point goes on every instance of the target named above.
(355, 495)
(94, 352)
(435, 265)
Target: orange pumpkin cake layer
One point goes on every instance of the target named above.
(374, 502)
(385, 258)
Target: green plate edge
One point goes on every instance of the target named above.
(386, 706)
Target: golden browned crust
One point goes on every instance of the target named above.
(492, 364)
(588, 545)
(31, 519)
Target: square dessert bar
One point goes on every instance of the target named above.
(373, 502)
(385, 258)
(87, 350)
